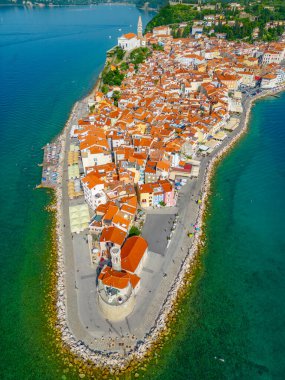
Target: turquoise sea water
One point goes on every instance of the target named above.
(49, 58)
(232, 322)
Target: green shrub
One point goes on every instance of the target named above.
(113, 78)
(134, 231)
(139, 55)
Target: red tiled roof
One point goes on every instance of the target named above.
(118, 280)
(129, 35)
(132, 253)
(91, 180)
(114, 235)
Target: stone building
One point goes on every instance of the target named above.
(118, 284)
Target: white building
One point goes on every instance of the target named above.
(280, 77)
(235, 104)
(190, 59)
(272, 57)
(269, 81)
(93, 190)
(132, 41)
(129, 41)
(161, 31)
(197, 30)
(174, 158)
(247, 78)
(212, 53)
(95, 156)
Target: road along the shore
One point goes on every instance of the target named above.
(80, 341)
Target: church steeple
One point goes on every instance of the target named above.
(140, 28)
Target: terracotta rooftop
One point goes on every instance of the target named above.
(114, 235)
(118, 280)
(132, 253)
(91, 180)
(129, 36)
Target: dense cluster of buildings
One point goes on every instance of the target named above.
(180, 103)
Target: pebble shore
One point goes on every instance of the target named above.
(115, 362)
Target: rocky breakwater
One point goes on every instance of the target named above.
(113, 361)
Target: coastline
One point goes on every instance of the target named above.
(114, 361)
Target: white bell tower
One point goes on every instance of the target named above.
(140, 28)
(116, 258)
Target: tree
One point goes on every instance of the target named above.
(113, 78)
(175, 14)
(243, 27)
(134, 231)
(116, 96)
(186, 31)
(157, 47)
(120, 53)
(105, 89)
(178, 34)
(139, 55)
(124, 66)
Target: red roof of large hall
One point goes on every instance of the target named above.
(132, 253)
